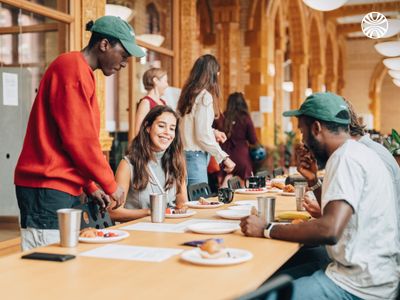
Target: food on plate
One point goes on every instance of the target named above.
(212, 249)
(172, 211)
(93, 233)
(278, 185)
(255, 190)
(298, 221)
(203, 201)
(280, 176)
(294, 215)
(288, 188)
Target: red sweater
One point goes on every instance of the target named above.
(61, 149)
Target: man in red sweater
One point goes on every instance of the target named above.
(61, 155)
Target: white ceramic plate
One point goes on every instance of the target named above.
(287, 194)
(236, 256)
(188, 213)
(100, 240)
(233, 214)
(196, 204)
(246, 202)
(274, 190)
(251, 191)
(242, 207)
(213, 227)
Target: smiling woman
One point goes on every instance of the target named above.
(154, 165)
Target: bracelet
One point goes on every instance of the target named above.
(315, 186)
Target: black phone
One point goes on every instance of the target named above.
(48, 256)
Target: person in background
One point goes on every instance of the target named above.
(357, 200)
(61, 153)
(199, 105)
(240, 132)
(155, 82)
(154, 164)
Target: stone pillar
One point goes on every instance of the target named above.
(226, 16)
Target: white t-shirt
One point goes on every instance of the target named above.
(364, 259)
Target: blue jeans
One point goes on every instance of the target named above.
(196, 165)
(318, 286)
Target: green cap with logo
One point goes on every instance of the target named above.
(119, 29)
(324, 107)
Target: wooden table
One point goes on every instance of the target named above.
(94, 278)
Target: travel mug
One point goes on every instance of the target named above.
(158, 205)
(69, 223)
(266, 208)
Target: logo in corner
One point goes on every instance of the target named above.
(374, 25)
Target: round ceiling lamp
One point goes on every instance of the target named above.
(396, 82)
(124, 12)
(394, 74)
(393, 28)
(324, 5)
(390, 49)
(392, 63)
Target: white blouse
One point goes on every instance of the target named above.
(197, 132)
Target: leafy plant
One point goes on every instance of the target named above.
(392, 143)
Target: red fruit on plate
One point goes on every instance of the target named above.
(100, 233)
(168, 211)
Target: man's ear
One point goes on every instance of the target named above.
(104, 44)
(316, 128)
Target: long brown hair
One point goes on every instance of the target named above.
(140, 153)
(149, 75)
(235, 110)
(204, 75)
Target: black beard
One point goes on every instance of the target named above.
(318, 150)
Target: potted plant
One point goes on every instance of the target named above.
(392, 143)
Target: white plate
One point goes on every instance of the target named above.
(188, 213)
(250, 191)
(233, 214)
(237, 256)
(287, 194)
(99, 240)
(242, 207)
(246, 202)
(274, 190)
(213, 227)
(196, 204)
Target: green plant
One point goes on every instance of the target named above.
(392, 143)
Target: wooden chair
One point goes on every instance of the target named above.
(93, 217)
(281, 285)
(195, 191)
(234, 183)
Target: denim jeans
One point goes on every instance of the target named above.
(318, 286)
(196, 165)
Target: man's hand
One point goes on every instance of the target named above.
(229, 165)
(252, 226)
(312, 207)
(118, 197)
(220, 136)
(101, 199)
(306, 163)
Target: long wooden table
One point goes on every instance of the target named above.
(94, 278)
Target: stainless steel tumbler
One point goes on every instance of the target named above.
(158, 205)
(266, 208)
(69, 223)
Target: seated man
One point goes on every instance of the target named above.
(358, 222)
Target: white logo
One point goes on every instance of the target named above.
(374, 25)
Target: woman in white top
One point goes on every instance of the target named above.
(154, 164)
(198, 106)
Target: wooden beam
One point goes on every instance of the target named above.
(161, 50)
(30, 28)
(347, 28)
(360, 9)
(175, 44)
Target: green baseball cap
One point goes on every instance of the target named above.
(324, 107)
(121, 30)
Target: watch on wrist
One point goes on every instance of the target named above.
(267, 230)
(315, 186)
